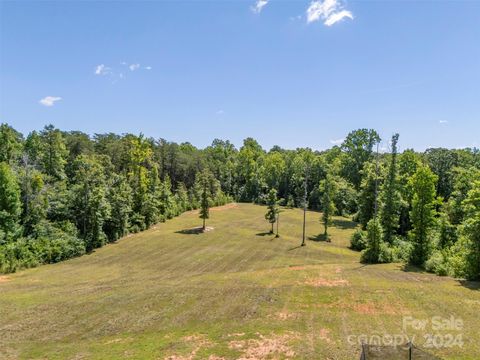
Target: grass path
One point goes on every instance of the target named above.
(235, 292)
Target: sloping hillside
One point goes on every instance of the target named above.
(233, 292)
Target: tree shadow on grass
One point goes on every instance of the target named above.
(295, 247)
(413, 268)
(264, 233)
(344, 224)
(193, 231)
(472, 285)
(319, 237)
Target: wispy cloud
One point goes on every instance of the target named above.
(102, 70)
(330, 11)
(220, 112)
(49, 100)
(337, 142)
(115, 74)
(134, 67)
(443, 122)
(259, 5)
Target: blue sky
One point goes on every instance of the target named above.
(292, 73)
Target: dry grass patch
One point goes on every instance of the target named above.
(197, 342)
(286, 315)
(265, 347)
(321, 282)
(4, 278)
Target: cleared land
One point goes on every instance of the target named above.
(231, 293)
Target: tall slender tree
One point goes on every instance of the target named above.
(207, 187)
(328, 206)
(391, 201)
(422, 214)
(272, 208)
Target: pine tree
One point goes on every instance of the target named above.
(207, 187)
(422, 214)
(391, 201)
(272, 208)
(54, 152)
(372, 253)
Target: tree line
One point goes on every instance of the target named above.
(66, 193)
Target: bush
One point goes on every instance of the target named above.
(401, 250)
(358, 241)
(437, 263)
(386, 254)
(52, 245)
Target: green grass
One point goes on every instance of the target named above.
(230, 293)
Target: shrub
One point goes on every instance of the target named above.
(358, 241)
(437, 263)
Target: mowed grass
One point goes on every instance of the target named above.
(235, 292)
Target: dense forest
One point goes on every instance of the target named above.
(63, 194)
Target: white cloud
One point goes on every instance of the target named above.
(337, 142)
(134, 67)
(49, 100)
(148, 68)
(102, 70)
(443, 122)
(259, 5)
(220, 112)
(331, 11)
(332, 19)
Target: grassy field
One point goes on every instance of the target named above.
(235, 292)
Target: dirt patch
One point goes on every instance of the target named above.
(285, 315)
(235, 334)
(376, 309)
(198, 342)
(225, 207)
(320, 282)
(265, 347)
(4, 278)
(324, 335)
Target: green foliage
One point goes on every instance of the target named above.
(422, 214)
(119, 196)
(328, 188)
(359, 240)
(207, 188)
(390, 198)
(437, 263)
(371, 182)
(108, 185)
(471, 230)
(372, 253)
(10, 144)
(51, 244)
(441, 162)
(53, 152)
(89, 204)
(358, 147)
(10, 204)
(272, 208)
